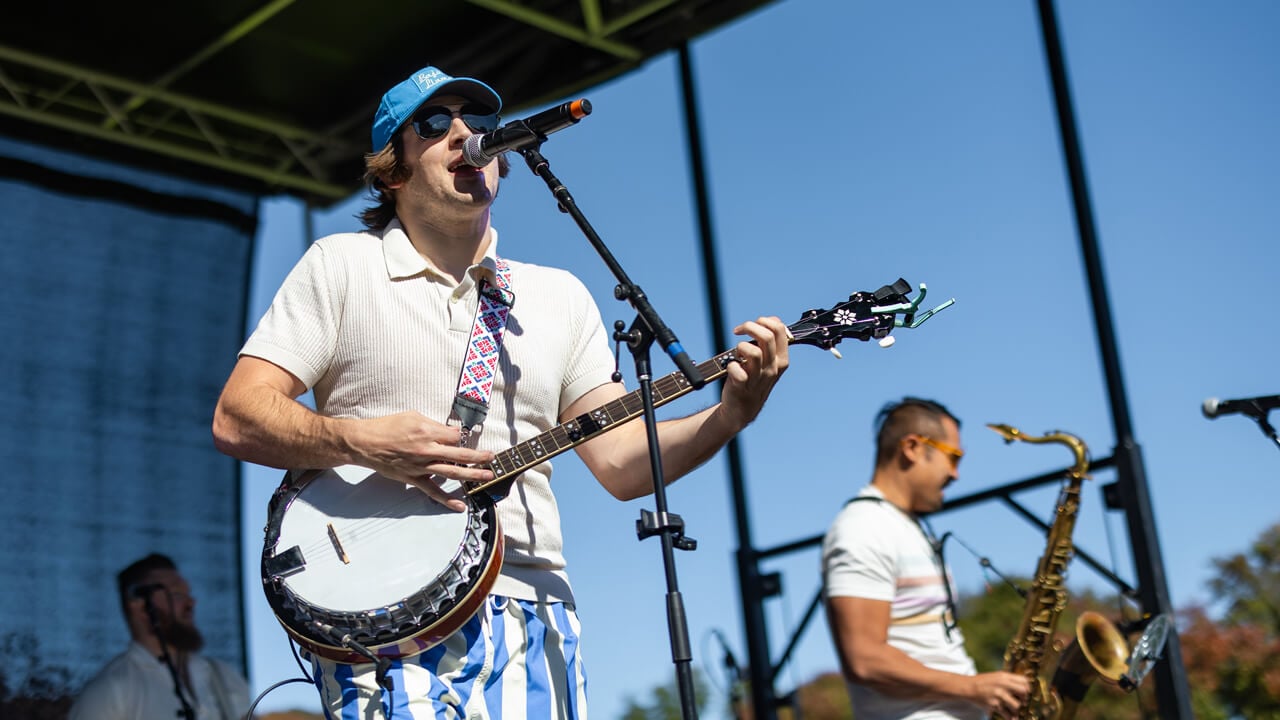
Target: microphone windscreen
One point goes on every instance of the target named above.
(1210, 408)
(473, 154)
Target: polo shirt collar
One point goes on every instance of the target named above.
(404, 261)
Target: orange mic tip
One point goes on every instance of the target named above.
(580, 108)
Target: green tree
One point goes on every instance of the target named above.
(989, 621)
(823, 698)
(665, 701)
(1249, 584)
(1233, 665)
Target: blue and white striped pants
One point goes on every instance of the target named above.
(513, 659)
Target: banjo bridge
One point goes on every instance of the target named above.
(337, 546)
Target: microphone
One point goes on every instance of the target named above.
(737, 682)
(1253, 407)
(480, 150)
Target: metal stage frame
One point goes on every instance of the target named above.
(1129, 493)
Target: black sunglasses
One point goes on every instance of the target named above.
(433, 122)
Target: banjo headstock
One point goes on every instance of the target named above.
(863, 316)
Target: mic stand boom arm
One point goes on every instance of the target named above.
(1266, 429)
(626, 290)
(647, 328)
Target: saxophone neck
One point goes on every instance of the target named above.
(1077, 446)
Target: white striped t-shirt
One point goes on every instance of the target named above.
(874, 550)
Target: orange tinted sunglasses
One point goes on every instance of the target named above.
(954, 453)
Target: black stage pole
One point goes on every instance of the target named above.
(1172, 693)
(750, 587)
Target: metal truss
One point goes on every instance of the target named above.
(148, 117)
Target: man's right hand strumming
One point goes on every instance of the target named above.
(259, 420)
(418, 451)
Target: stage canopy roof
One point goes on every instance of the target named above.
(276, 96)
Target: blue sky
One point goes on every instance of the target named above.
(852, 143)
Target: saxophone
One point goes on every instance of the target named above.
(1098, 650)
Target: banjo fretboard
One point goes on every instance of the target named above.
(568, 435)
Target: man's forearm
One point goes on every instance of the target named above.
(268, 428)
(892, 672)
(685, 443)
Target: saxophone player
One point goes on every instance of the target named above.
(890, 605)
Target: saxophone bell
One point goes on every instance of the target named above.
(1098, 651)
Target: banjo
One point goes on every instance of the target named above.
(358, 567)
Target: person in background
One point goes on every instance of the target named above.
(161, 675)
(890, 606)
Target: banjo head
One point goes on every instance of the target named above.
(349, 552)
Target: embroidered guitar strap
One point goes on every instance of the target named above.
(480, 364)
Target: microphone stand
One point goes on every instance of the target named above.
(646, 328)
(1258, 414)
(186, 712)
(735, 678)
(1261, 419)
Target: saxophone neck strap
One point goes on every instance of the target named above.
(935, 545)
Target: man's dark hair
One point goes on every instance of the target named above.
(130, 578)
(908, 416)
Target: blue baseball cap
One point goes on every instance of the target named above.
(403, 100)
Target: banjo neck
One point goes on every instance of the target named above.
(863, 316)
(509, 464)
(360, 567)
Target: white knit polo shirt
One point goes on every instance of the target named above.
(374, 329)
